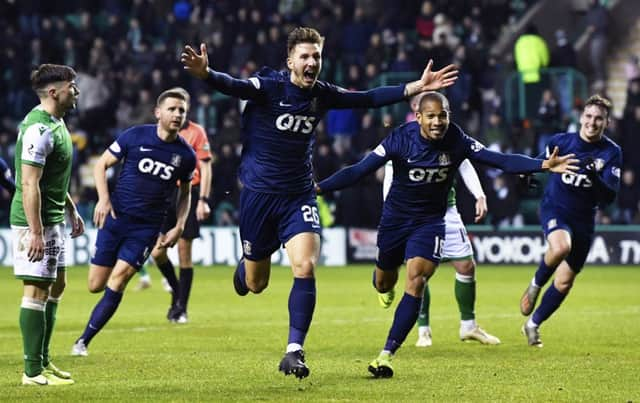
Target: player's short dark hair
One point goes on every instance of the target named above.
(175, 92)
(602, 102)
(46, 74)
(303, 35)
(434, 96)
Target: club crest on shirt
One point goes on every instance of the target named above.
(599, 164)
(476, 146)
(615, 171)
(176, 160)
(444, 159)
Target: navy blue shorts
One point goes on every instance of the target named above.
(192, 226)
(581, 232)
(397, 243)
(270, 220)
(124, 238)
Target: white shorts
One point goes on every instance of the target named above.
(54, 257)
(457, 245)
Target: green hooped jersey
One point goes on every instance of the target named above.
(43, 141)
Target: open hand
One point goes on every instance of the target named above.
(561, 164)
(433, 80)
(195, 63)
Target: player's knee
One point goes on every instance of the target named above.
(564, 286)
(560, 250)
(58, 288)
(159, 255)
(304, 268)
(96, 286)
(415, 285)
(466, 268)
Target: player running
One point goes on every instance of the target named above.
(277, 202)
(456, 249)
(425, 155)
(154, 158)
(568, 209)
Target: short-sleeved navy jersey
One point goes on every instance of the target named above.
(575, 193)
(279, 121)
(149, 173)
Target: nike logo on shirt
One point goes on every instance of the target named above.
(143, 149)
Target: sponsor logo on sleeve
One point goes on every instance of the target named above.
(380, 151)
(115, 147)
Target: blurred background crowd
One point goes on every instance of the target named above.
(127, 52)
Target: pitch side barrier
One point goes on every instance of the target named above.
(613, 245)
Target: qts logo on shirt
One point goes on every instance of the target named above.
(156, 168)
(295, 123)
(428, 175)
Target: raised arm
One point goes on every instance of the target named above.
(349, 175)
(381, 96)
(197, 64)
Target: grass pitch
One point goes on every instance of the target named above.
(231, 348)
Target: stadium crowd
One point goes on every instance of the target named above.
(127, 52)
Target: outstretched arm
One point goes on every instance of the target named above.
(381, 96)
(432, 80)
(521, 164)
(197, 64)
(349, 175)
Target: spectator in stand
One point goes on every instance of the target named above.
(424, 22)
(376, 53)
(504, 201)
(633, 98)
(563, 56)
(531, 55)
(630, 139)
(342, 125)
(628, 199)
(597, 19)
(632, 68)
(495, 135)
(548, 119)
(356, 38)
